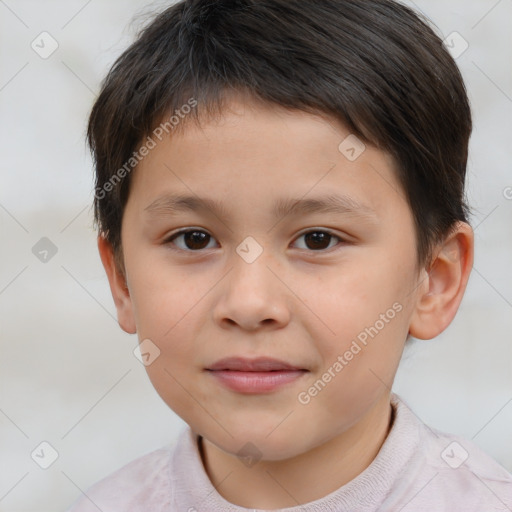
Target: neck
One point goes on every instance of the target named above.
(306, 477)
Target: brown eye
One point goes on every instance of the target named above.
(318, 240)
(191, 240)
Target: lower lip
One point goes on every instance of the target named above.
(256, 382)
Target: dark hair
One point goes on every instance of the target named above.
(374, 65)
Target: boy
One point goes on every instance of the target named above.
(280, 203)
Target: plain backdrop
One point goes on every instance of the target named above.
(68, 374)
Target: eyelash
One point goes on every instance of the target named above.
(170, 239)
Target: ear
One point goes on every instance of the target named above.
(443, 285)
(118, 287)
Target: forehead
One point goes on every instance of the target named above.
(257, 155)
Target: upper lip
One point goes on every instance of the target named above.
(260, 364)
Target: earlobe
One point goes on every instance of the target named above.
(441, 292)
(118, 287)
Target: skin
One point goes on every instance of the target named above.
(293, 303)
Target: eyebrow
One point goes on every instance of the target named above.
(335, 204)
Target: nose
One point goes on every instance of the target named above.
(252, 297)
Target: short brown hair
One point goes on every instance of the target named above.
(375, 65)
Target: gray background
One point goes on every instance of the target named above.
(68, 375)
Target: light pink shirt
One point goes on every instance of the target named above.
(418, 469)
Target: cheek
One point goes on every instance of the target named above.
(347, 299)
(164, 298)
(171, 321)
(356, 312)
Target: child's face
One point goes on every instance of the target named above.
(303, 300)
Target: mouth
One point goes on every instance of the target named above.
(254, 376)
